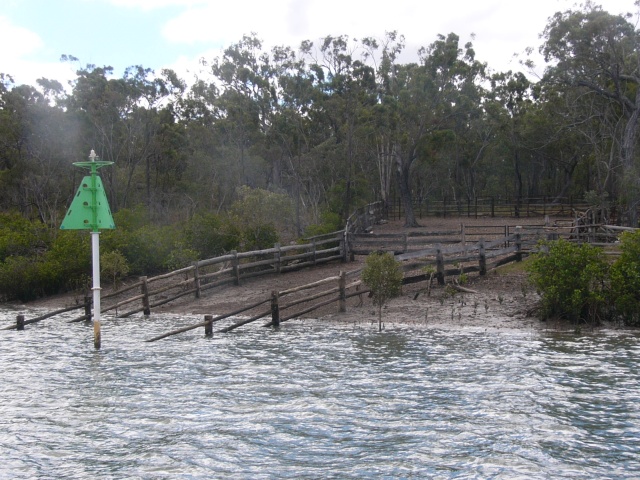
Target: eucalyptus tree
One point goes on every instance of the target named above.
(124, 120)
(36, 139)
(383, 54)
(597, 54)
(347, 91)
(245, 105)
(511, 100)
(422, 100)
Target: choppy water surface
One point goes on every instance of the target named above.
(316, 401)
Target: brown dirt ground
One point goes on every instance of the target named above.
(503, 299)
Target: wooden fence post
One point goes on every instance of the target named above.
(352, 255)
(275, 309)
(208, 326)
(314, 251)
(404, 243)
(145, 299)
(342, 286)
(439, 266)
(20, 322)
(518, 242)
(463, 238)
(276, 258)
(344, 245)
(493, 207)
(87, 307)
(235, 264)
(483, 258)
(196, 278)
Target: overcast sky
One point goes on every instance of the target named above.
(177, 33)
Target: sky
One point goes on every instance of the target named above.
(176, 34)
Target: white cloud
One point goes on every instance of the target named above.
(501, 27)
(20, 59)
(21, 41)
(147, 5)
(201, 28)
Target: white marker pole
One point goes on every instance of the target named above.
(91, 199)
(95, 253)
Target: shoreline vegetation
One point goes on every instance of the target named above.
(501, 300)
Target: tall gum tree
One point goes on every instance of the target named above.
(598, 53)
(427, 97)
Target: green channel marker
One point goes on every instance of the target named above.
(90, 210)
(80, 215)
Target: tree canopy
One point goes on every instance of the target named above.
(335, 123)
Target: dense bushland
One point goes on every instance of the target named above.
(37, 260)
(579, 284)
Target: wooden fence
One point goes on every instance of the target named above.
(364, 218)
(272, 307)
(488, 207)
(596, 234)
(469, 249)
(499, 207)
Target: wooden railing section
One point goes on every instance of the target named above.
(474, 248)
(273, 308)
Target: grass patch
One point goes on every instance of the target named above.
(513, 267)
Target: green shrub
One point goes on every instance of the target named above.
(21, 236)
(572, 280)
(383, 276)
(258, 237)
(210, 235)
(260, 212)
(329, 222)
(625, 280)
(146, 247)
(114, 265)
(180, 257)
(17, 278)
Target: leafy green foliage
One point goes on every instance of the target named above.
(572, 280)
(210, 235)
(261, 215)
(383, 276)
(19, 236)
(115, 265)
(329, 222)
(62, 267)
(145, 246)
(625, 279)
(180, 257)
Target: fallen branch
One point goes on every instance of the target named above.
(459, 288)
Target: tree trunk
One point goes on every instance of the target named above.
(402, 172)
(631, 183)
(385, 167)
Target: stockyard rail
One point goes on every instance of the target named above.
(423, 255)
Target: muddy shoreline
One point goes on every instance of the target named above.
(502, 299)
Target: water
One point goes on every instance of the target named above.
(316, 401)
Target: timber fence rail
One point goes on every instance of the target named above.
(232, 268)
(309, 298)
(488, 207)
(467, 245)
(496, 207)
(400, 243)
